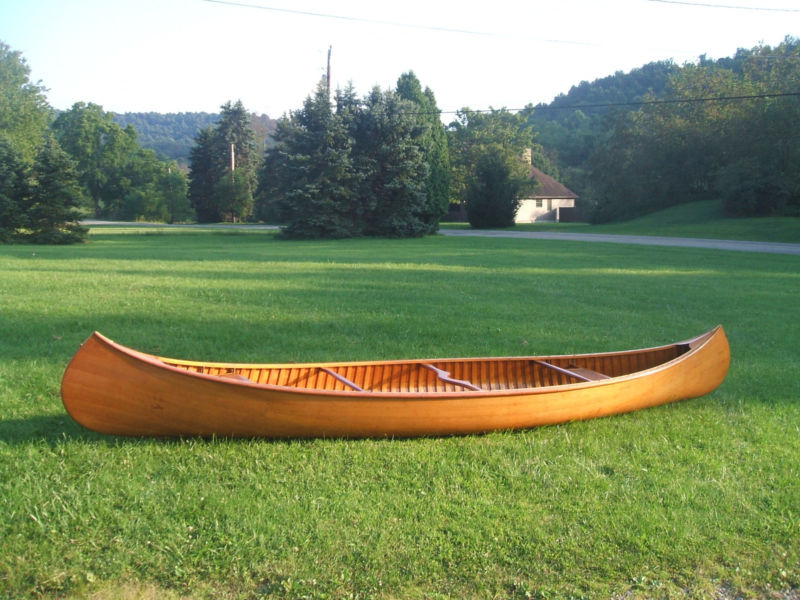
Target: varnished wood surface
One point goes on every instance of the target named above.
(113, 389)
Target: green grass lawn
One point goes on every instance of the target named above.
(698, 219)
(699, 499)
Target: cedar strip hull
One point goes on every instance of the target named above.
(116, 390)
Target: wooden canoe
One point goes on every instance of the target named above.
(113, 389)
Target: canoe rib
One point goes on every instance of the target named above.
(113, 389)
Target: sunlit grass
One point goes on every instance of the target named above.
(681, 501)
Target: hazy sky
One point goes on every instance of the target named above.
(194, 55)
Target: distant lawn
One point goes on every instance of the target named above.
(699, 220)
(693, 500)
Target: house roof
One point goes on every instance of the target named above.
(549, 187)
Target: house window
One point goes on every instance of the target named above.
(539, 203)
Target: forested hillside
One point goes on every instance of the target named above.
(572, 133)
(172, 135)
(665, 134)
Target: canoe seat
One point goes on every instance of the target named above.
(573, 371)
(234, 376)
(588, 373)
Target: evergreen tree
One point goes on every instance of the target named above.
(210, 163)
(393, 173)
(53, 204)
(13, 191)
(311, 178)
(234, 129)
(360, 169)
(202, 177)
(434, 145)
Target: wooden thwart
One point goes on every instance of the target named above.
(341, 378)
(445, 376)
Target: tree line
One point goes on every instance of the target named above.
(58, 168)
(385, 165)
(378, 165)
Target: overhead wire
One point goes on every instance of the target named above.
(630, 103)
(435, 28)
(671, 101)
(726, 6)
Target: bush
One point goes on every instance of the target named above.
(493, 194)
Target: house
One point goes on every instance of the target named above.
(548, 200)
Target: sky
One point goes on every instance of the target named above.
(195, 55)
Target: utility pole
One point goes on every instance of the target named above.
(328, 76)
(233, 166)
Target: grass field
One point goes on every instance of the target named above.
(698, 219)
(699, 499)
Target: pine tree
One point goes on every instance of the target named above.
(357, 170)
(210, 164)
(13, 191)
(313, 180)
(52, 207)
(434, 146)
(393, 169)
(202, 177)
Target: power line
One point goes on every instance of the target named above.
(728, 6)
(633, 103)
(435, 28)
(673, 101)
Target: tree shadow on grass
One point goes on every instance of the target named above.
(50, 429)
(57, 429)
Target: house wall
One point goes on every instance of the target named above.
(528, 211)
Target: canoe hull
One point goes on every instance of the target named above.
(112, 389)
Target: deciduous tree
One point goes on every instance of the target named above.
(486, 152)
(24, 112)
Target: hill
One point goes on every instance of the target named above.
(572, 133)
(172, 135)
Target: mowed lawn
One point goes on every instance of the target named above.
(699, 499)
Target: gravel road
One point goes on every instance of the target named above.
(645, 240)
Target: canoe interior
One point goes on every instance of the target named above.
(484, 374)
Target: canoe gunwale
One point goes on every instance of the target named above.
(695, 346)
